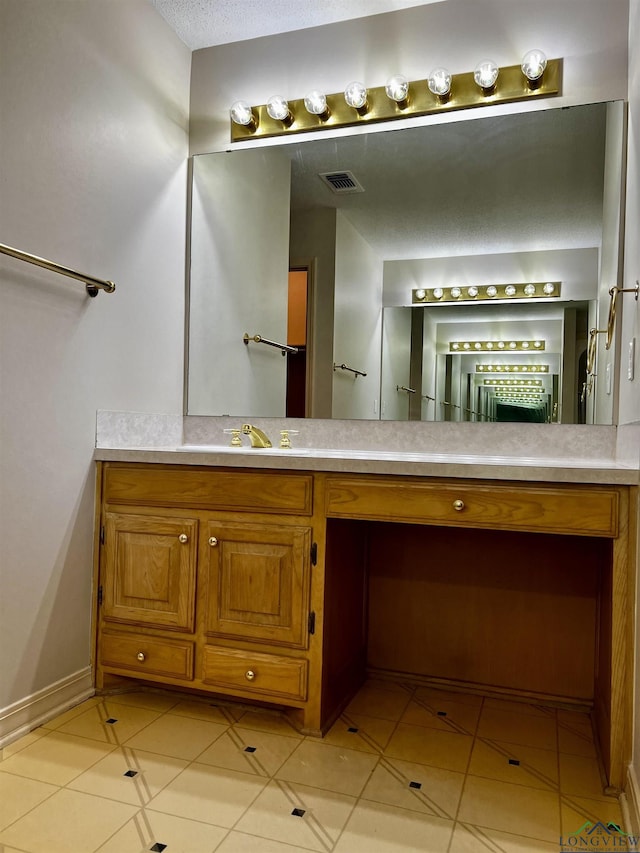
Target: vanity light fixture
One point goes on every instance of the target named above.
(439, 83)
(315, 103)
(242, 115)
(355, 96)
(488, 346)
(512, 368)
(495, 292)
(400, 98)
(397, 90)
(533, 65)
(278, 109)
(486, 74)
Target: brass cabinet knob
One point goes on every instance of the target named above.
(140, 656)
(458, 505)
(183, 538)
(249, 675)
(213, 541)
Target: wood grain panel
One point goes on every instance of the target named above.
(258, 583)
(150, 576)
(271, 676)
(486, 608)
(208, 488)
(584, 511)
(121, 651)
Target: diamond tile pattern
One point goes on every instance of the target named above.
(403, 768)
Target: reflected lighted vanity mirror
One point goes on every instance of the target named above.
(525, 197)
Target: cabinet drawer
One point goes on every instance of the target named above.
(143, 654)
(580, 510)
(200, 488)
(252, 672)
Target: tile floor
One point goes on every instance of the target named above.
(404, 769)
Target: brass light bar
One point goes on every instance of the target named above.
(514, 383)
(512, 368)
(511, 86)
(489, 292)
(500, 346)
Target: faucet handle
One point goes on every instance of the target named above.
(236, 441)
(285, 441)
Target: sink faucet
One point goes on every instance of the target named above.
(257, 437)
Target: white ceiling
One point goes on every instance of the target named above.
(204, 23)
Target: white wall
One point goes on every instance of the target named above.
(358, 324)
(239, 283)
(93, 105)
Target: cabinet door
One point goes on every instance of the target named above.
(259, 583)
(150, 570)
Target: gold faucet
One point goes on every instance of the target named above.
(257, 437)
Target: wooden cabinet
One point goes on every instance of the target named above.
(258, 583)
(287, 587)
(205, 580)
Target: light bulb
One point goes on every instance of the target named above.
(533, 64)
(316, 103)
(438, 293)
(356, 95)
(489, 344)
(397, 88)
(492, 291)
(420, 294)
(278, 108)
(466, 345)
(456, 292)
(455, 346)
(525, 344)
(486, 74)
(549, 288)
(478, 345)
(500, 344)
(537, 344)
(472, 291)
(439, 82)
(512, 345)
(529, 289)
(510, 290)
(241, 113)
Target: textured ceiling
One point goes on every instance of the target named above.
(204, 23)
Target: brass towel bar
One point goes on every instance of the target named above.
(92, 284)
(258, 339)
(350, 369)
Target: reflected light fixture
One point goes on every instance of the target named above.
(512, 368)
(488, 346)
(441, 91)
(538, 290)
(513, 383)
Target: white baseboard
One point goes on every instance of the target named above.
(633, 801)
(32, 711)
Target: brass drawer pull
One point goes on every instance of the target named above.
(140, 656)
(250, 675)
(458, 505)
(213, 541)
(183, 538)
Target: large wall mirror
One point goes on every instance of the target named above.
(304, 258)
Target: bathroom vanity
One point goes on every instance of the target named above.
(285, 580)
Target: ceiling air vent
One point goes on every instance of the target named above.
(341, 182)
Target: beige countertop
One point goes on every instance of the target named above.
(404, 463)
